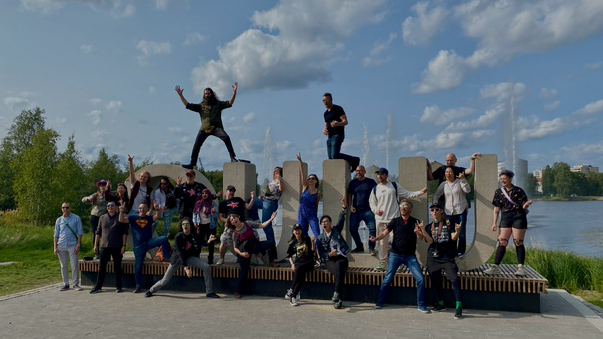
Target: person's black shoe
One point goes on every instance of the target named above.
(188, 166)
(118, 290)
(64, 288)
(439, 307)
(95, 290)
(212, 295)
(338, 305)
(148, 294)
(137, 289)
(233, 159)
(459, 313)
(358, 250)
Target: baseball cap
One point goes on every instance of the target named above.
(231, 188)
(382, 170)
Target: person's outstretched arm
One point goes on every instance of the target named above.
(179, 91)
(131, 169)
(234, 93)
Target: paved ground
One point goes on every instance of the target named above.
(48, 313)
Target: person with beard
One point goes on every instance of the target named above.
(210, 111)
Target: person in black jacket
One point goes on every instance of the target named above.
(301, 256)
(186, 252)
(333, 249)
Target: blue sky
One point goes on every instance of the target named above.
(425, 78)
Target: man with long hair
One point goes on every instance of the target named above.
(210, 111)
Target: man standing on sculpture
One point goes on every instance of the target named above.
(384, 203)
(359, 191)
(335, 120)
(210, 111)
(68, 233)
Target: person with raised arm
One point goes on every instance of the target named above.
(307, 214)
(140, 192)
(210, 112)
(512, 203)
(98, 200)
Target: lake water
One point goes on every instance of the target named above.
(574, 226)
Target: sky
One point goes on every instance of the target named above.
(415, 78)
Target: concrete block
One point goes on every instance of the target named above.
(292, 186)
(242, 176)
(336, 177)
(412, 174)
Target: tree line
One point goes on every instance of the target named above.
(35, 177)
(558, 180)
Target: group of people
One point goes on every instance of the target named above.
(383, 205)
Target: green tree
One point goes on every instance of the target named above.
(566, 182)
(104, 167)
(215, 177)
(19, 137)
(33, 194)
(548, 182)
(531, 185)
(68, 178)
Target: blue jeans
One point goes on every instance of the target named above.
(460, 219)
(167, 220)
(334, 150)
(141, 250)
(369, 219)
(395, 260)
(269, 207)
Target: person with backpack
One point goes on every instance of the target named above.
(384, 204)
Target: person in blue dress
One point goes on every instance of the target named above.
(307, 214)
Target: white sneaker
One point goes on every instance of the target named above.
(259, 261)
(220, 262)
(494, 269)
(293, 302)
(289, 294)
(298, 297)
(520, 270)
(77, 288)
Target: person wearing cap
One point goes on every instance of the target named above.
(112, 235)
(512, 203)
(210, 111)
(441, 236)
(68, 232)
(333, 249)
(140, 192)
(230, 205)
(359, 191)
(98, 200)
(384, 204)
(455, 189)
(245, 243)
(187, 193)
(406, 232)
(301, 257)
(335, 122)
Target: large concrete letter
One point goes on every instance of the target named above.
(242, 176)
(336, 177)
(486, 182)
(290, 203)
(412, 174)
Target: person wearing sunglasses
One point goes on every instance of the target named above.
(112, 235)
(68, 234)
(186, 253)
(406, 232)
(307, 214)
(164, 197)
(441, 236)
(98, 200)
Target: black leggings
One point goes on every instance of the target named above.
(299, 276)
(205, 231)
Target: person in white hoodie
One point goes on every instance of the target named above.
(384, 204)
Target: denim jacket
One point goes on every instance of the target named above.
(323, 242)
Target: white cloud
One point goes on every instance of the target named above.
(552, 105)
(548, 92)
(114, 105)
(503, 91)
(534, 128)
(193, 38)
(419, 30)
(433, 114)
(483, 121)
(594, 65)
(96, 116)
(86, 49)
(149, 48)
(44, 6)
(293, 45)
(174, 129)
(249, 117)
(374, 58)
(152, 90)
(16, 102)
(584, 153)
(505, 28)
(95, 101)
(161, 4)
(121, 9)
(590, 108)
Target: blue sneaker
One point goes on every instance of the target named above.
(423, 310)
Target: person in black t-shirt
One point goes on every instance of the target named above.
(359, 191)
(301, 257)
(230, 205)
(441, 237)
(335, 120)
(187, 193)
(406, 231)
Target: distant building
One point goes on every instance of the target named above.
(538, 175)
(584, 169)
